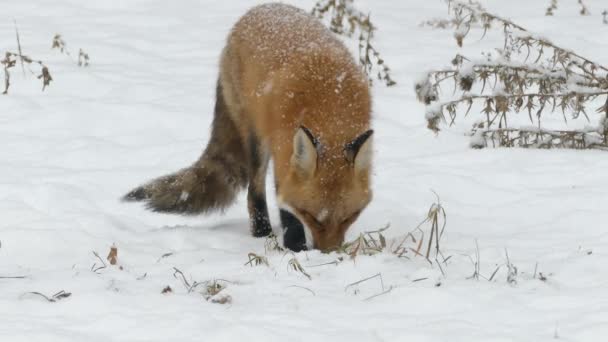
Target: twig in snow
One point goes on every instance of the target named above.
(419, 279)
(19, 46)
(379, 294)
(437, 218)
(512, 270)
(182, 277)
(13, 277)
(584, 10)
(368, 243)
(83, 58)
(59, 43)
(256, 260)
(296, 266)
(54, 298)
(475, 262)
(98, 268)
(335, 262)
(10, 60)
(378, 275)
(209, 285)
(383, 290)
(494, 273)
(272, 244)
(303, 288)
(552, 7)
(166, 255)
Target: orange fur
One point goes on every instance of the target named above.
(285, 69)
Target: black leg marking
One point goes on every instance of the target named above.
(258, 214)
(256, 196)
(255, 161)
(293, 236)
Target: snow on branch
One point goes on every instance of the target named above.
(346, 20)
(528, 74)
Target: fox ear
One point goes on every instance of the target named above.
(359, 151)
(304, 157)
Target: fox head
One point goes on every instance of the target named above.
(324, 191)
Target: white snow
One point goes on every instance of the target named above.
(143, 109)
(184, 196)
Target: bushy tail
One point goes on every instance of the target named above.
(211, 183)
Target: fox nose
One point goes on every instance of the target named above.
(294, 236)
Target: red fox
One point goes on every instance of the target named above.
(290, 91)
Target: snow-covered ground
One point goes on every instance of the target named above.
(143, 108)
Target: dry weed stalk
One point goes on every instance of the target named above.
(60, 44)
(456, 20)
(52, 299)
(295, 265)
(477, 264)
(437, 218)
(530, 74)
(535, 138)
(165, 255)
(605, 17)
(19, 46)
(9, 61)
(303, 288)
(552, 7)
(368, 243)
(511, 270)
(96, 268)
(272, 244)
(345, 20)
(584, 10)
(212, 292)
(83, 58)
(211, 288)
(416, 242)
(378, 276)
(256, 260)
(178, 274)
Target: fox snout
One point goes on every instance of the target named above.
(298, 236)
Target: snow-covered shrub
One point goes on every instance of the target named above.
(527, 74)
